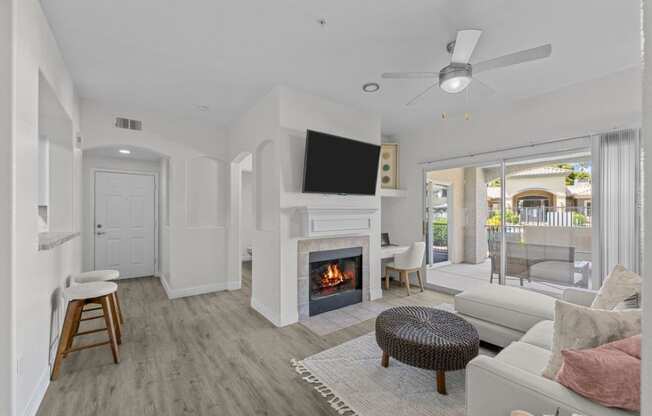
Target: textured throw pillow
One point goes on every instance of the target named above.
(579, 327)
(609, 374)
(621, 285)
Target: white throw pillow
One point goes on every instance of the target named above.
(618, 287)
(579, 327)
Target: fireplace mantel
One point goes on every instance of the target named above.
(321, 222)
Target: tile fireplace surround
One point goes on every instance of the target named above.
(305, 247)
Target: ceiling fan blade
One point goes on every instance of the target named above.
(421, 95)
(409, 75)
(515, 58)
(464, 45)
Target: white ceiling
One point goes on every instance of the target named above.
(171, 56)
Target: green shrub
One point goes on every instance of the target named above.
(510, 218)
(579, 219)
(440, 232)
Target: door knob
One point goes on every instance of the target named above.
(100, 233)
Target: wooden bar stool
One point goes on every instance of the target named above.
(100, 276)
(76, 297)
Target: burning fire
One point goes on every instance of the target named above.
(333, 276)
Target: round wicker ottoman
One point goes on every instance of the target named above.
(427, 338)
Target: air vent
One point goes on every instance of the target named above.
(125, 123)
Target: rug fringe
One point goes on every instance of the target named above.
(336, 403)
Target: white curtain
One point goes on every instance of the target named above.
(617, 182)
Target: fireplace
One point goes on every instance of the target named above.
(335, 279)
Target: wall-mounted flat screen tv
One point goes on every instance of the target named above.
(336, 165)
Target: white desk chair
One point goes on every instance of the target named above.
(406, 263)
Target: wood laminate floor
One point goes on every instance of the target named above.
(202, 355)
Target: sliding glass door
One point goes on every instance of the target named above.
(522, 222)
(548, 218)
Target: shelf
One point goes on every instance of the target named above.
(50, 240)
(393, 193)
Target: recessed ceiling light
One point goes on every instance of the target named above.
(202, 107)
(371, 87)
(125, 151)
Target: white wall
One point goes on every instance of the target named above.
(7, 330)
(248, 212)
(164, 218)
(193, 245)
(577, 110)
(646, 360)
(89, 165)
(253, 132)
(38, 275)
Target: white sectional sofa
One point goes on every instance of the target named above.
(521, 321)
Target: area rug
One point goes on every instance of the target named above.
(350, 377)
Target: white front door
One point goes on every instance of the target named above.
(125, 223)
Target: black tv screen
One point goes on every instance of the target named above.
(335, 165)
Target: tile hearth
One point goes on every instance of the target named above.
(329, 322)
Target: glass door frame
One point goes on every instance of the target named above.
(555, 148)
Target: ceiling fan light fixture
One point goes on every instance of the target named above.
(455, 78)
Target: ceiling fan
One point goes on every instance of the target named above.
(457, 76)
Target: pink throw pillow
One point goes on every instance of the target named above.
(609, 374)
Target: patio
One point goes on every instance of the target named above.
(456, 278)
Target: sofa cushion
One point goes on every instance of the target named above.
(579, 327)
(511, 307)
(540, 335)
(621, 285)
(609, 374)
(527, 357)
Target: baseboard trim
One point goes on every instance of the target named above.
(376, 294)
(442, 289)
(234, 285)
(38, 394)
(266, 312)
(192, 291)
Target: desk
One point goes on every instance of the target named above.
(388, 252)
